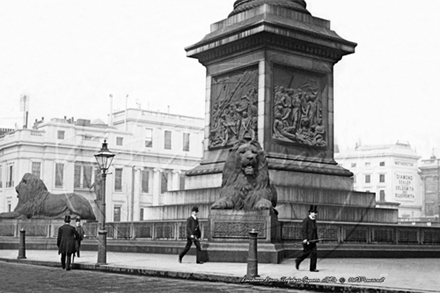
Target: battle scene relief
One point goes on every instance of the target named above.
(234, 108)
(298, 109)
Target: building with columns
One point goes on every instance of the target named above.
(430, 173)
(390, 171)
(153, 152)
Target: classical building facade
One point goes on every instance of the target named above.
(390, 171)
(153, 152)
(430, 173)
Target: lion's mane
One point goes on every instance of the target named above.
(245, 182)
(34, 200)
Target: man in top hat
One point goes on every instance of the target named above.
(193, 234)
(310, 238)
(67, 236)
(81, 234)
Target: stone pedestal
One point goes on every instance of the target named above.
(234, 225)
(270, 76)
(228, 238)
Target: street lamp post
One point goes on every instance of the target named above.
(104, 158)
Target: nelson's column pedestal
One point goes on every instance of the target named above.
(269, 76)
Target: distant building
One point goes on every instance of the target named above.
(390, 171)
(153, 152)
(430, 173)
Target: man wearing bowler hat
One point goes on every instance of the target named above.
(67, 236)
(310, 238)
(193, 234)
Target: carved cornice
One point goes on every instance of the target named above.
(244, 5)
(266, 39)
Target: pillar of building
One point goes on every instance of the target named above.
(156, 185)
(175, 179)
(137, 187)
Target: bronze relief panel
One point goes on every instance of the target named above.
(234, 107)
(298, 108)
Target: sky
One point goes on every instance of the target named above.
(69, 56)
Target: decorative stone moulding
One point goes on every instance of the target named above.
(244, 5)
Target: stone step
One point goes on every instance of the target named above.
(325, 196)
(285, 194)
(338, 213)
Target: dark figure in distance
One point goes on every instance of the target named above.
(81, 234)
(192, 235)
(66, 240)
(310, 236)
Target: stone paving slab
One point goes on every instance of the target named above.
(336, 275)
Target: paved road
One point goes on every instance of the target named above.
(16, 278)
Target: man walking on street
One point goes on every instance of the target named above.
(193, 234)
(310, 238)
(81, 234)
(67, 236)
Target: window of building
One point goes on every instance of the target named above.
(382, 195)
(87, 176)
(367, 178)
(117, 214)
(182, 181)
(119, 140)
(77, 177)
(149, 138)
(141, 217)
(167, 140)
(382, 164)
(36, 169)
(164, 183)
(83, 176)
(60, 134)
(59, 175)
(10, 176)
(186, 142)
(145, 181)
(9, 207)
(118, 179)
(1, 182)
(367, 164)
(353, 165)
(381, 178)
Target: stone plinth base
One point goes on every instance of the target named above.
(238, 252)
(234, 225)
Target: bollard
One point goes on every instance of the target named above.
(22, 245)
(252, 264)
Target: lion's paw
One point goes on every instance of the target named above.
(223, 204)
(263, 204)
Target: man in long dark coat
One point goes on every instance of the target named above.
(66, 240)
(310, 238)
(193, 234)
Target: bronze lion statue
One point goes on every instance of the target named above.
(34, 200)
(245, 182)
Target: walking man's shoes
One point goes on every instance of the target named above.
(315, 271)
(200, 262)
(297, 265)
(180, 259)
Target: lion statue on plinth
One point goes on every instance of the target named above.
(245, 182)
(34, 200)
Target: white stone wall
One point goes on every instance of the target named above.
(398, 161)
(81, 143)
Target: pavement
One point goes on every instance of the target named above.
(335, 275)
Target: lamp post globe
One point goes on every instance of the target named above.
(104, 158)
